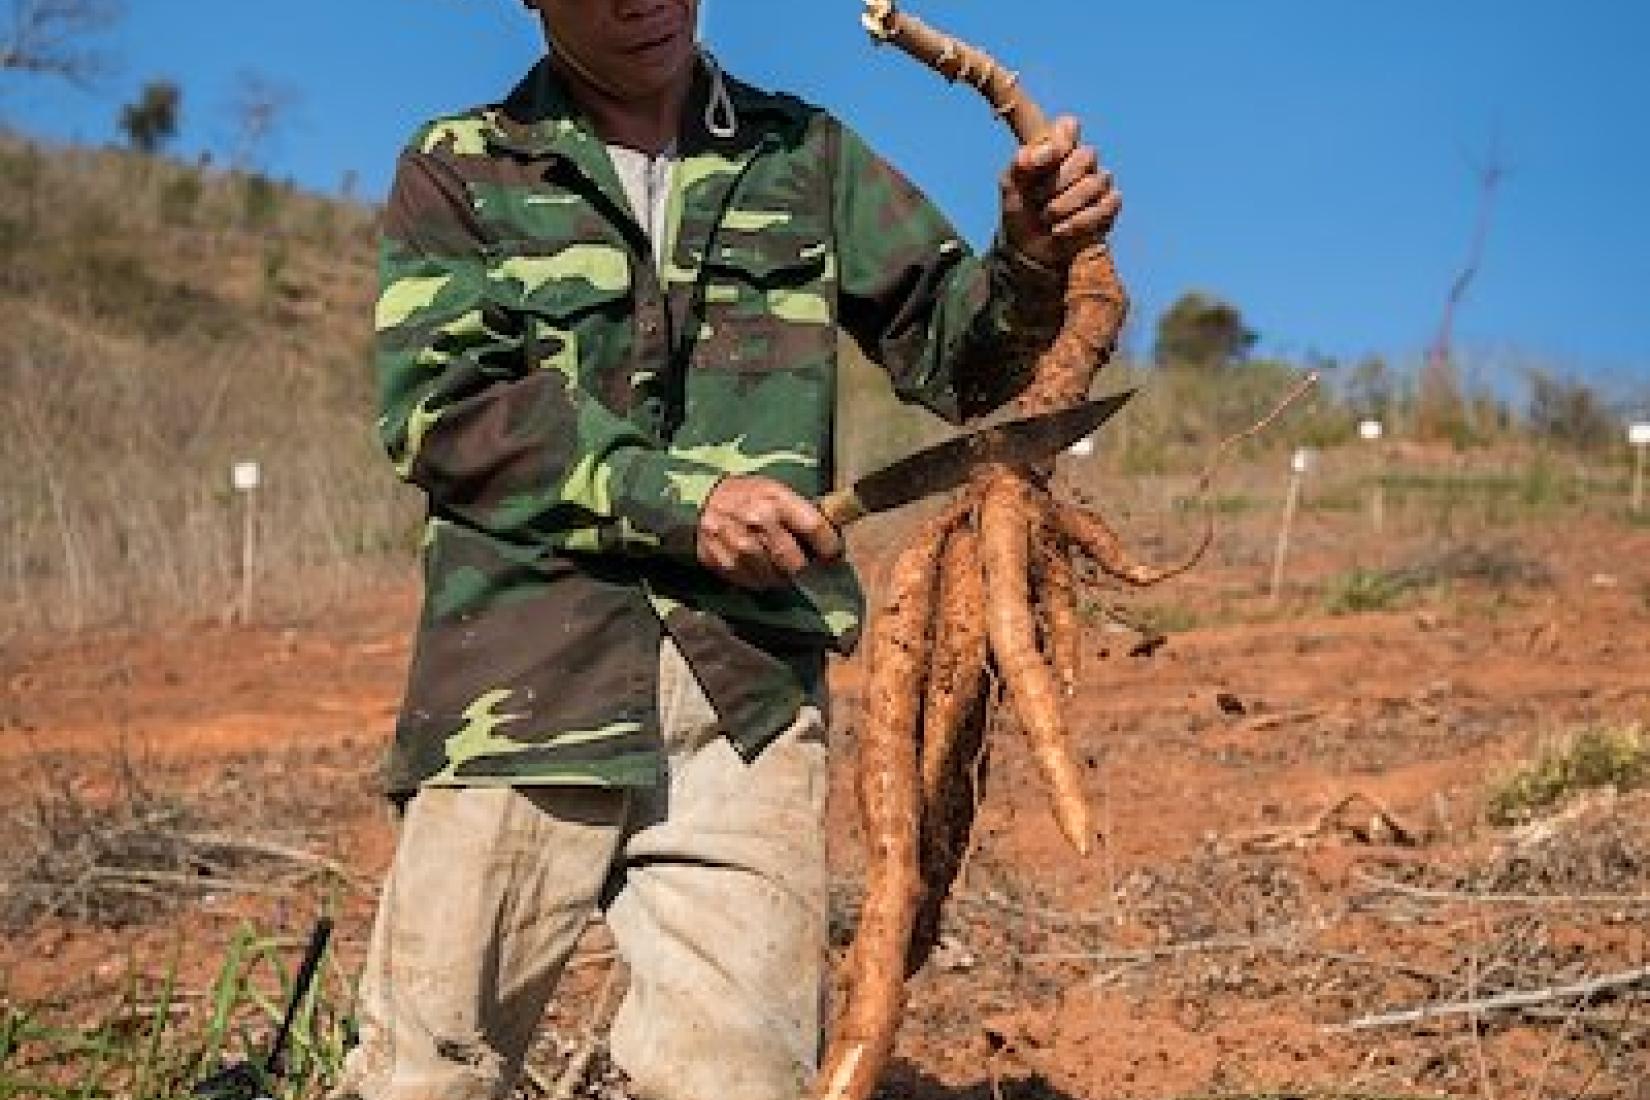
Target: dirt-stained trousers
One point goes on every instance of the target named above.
(713, 885)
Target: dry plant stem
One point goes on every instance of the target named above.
(900, 644)
(1609, 984)
(1009, 514)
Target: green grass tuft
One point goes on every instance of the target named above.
(1592, 759)
(156, 1043)
(1365, 590)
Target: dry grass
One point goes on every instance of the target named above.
(164, 323)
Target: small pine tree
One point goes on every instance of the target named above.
(152, 121)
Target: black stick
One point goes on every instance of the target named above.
(300, 988)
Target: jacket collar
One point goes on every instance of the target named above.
(539, 118)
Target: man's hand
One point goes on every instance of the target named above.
(757, 533)
(1056, 198)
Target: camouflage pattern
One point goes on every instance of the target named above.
(567, 409)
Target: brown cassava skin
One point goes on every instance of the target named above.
(1056, 583)
(900, 645)
(1010, 511)
(1009, 514)
(1096, 306)
(959, 663)
(1099, 543)
(948, 830)
(953, 733)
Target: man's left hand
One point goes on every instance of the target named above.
(1056, 197)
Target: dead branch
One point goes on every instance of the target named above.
(1464, 897)
(1285, 939)
(1504, 1002)
(1382, 826)
(48, 38)
(1440, 356)
(255, 846)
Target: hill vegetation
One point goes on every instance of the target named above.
(167, 320)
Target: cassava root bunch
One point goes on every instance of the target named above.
(988, 584)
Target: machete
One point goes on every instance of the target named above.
(947, 465)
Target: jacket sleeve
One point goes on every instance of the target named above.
(488, 416)
(953, 330)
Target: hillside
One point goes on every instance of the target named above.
(164, 322)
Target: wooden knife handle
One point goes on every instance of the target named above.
(841, 507)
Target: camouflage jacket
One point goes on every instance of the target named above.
(567, 408)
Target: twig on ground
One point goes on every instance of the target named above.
(272, 850)
(1058, 917)
(1281, 940)
(1382, 826)
(1502, 1002)
(1427, 893)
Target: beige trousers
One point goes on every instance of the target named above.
(713, 885)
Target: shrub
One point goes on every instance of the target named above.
(1364, 590)
(1592, 759)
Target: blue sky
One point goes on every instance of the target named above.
(1308, 161)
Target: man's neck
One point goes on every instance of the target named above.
(650, 124)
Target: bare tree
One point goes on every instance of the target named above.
(50, 37)
(1440, 388)
(257, 109)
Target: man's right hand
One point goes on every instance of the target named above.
(756, 532)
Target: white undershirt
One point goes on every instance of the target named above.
(648, 181)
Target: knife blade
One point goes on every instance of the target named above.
(947, 465)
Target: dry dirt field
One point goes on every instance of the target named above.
(1294, 803)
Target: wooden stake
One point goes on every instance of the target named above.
(1638, 436)
(246, 477)
(1638, 478)
(1291, 505)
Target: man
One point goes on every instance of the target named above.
(607, 346)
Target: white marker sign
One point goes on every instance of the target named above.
(246, 476)
(1639, 435)
(1301, 461)
(1371, 430)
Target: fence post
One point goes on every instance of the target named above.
(246, 477)
(1298, 465)
(1639, 436)
(1371, 431)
